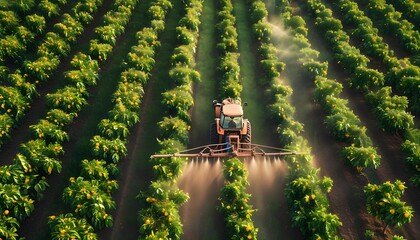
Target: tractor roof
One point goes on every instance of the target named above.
(232, 110)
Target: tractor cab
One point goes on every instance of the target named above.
(231, 117)
(230, 127)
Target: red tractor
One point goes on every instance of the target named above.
(230, 131)
(230, 136)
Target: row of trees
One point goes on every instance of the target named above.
(160, 218)
(308, 205)
(227, 46)
(390, 110)
(400, 74)
(390, 22)
(90, 194)
(22, 23)
(410, 10)
(17, 97)
(379, 98)
(341, 121)
(42, 153)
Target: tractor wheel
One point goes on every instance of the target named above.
(214, 136)
(247, 137)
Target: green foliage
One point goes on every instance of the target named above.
(49, 131)
(309, 205)
(262, 31)
(390, 110)
(49, 9)
(91, 200)
(6, 123)
(178, 102)
(174, 128)
(384, 202)
(411, 150)
(43, 157)
(129, 95)
(361, 157)
(68, 99)
(234, 201)
(60, 117)
(42, 68)
(326, 87)
(112, 129)
(258, 11)
(36, 23)
(134, 75)
(161, 216)
(110, 150)
(12, 102)
(100, 51)
(67, 227)
(184, 75)
(94, 169)
(366, 78)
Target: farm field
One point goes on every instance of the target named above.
(90, 89)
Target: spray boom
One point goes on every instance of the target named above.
(229, 150)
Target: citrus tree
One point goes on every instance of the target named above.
(384, 202)
(91, 199)
(69, 227)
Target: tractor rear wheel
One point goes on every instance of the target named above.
(247, 137)
(214, 136)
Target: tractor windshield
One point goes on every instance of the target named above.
(231, 122)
